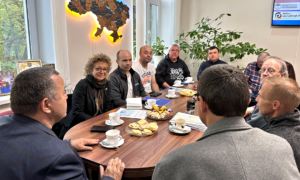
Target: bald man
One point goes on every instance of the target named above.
(146, 70)
(277, 100)
(125, 82)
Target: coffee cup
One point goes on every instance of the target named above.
(171, 92)
(177, 82)
(113, 136)
(189, 79)
(114, 117)
(150, 102)
(179, 124)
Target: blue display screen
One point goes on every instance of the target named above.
(286, 13)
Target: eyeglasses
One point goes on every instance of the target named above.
(99, 69)
(269, 71)
(174, 50)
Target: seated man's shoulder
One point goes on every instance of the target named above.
(252, 63)
(114, 75)
(223, 62)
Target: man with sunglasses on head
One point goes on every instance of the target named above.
(272, 67)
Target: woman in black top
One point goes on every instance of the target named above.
(91, 96)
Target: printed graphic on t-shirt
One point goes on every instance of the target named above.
(146, 77)
(176, 73)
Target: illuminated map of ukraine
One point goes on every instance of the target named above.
(111, 14)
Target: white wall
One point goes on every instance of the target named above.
(251, 17)
(82, 46)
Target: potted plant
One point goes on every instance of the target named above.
(195, 43)
(158, 51)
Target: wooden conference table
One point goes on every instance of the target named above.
(140, 154)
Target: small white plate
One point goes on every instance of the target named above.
(120, 143)
(190, 82)
(108, 122)
(186, 130)
(181, 85)
(147, 107)
(168, 96)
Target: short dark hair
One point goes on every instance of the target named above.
(225, 90)
(30, 87)
(213, 47)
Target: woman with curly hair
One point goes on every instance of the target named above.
(91, 96)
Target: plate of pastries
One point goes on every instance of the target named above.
(142, 128)
(187, 92)
(159, 113)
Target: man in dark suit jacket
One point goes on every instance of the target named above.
(29, 149)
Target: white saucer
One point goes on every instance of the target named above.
(168, 96)
(108, 122)
(147, 107)
(189, 82)
(120, 143)
(186, 130)
(181, 85)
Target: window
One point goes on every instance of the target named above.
(152, 20)
(14, 38)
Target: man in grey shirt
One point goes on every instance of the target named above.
(277, 100)
(229, 148)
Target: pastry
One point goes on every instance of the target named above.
(149, 113)
(136, 132)
(153, 126)
(142, 122)
(133, 125)
(147, 131)
(144, 126)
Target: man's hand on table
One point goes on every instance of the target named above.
(165, 85)
(80, 144)
(114, 169)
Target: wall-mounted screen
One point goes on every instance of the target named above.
(286, 13)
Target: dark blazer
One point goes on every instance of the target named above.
(230, 149)
(83, 102)
(119, 86)
(30, 150)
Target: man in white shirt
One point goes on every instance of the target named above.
(146, 70)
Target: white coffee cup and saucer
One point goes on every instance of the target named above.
(189, 80)
(113, 139)
(180, 127)
(149, 103)
(114, 119)
(177, 83)
(171, 94)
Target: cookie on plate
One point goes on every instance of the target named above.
(136, 132)
(133, 125)
(147, 131)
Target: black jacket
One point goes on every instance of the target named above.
(119, 87)
(168, 71)
(83, 102)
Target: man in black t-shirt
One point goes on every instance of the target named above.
(171, 68)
